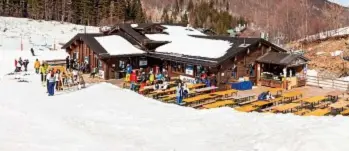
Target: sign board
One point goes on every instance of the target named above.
(189, 70)
(143, 62)
(101, 74)
(87, 60)
(100, 65)
(187, 79)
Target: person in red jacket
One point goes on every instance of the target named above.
(16, 62)
(133, 79)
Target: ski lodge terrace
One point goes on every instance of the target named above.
(186, 52)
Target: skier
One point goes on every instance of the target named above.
(19, 66)
(37, 66)
(25, 64)
(16, 63)
(32, 51)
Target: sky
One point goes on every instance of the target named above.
(341, 2)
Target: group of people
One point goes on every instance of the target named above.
(21, 63)
(55, 79)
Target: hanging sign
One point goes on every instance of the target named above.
(189, 70)
(143, 62)
(86, 59)
(187, 79)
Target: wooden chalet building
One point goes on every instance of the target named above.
(245, 57)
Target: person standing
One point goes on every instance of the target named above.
(37, 66)
(51, 83)
(67, 62)
(32, 51)
(57, 77)
(179, 93)
(25, 64)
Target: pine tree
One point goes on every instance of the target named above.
(139, 14)
(164, 16)
(190, 6)
(184, 18)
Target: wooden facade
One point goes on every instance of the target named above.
(243, 55)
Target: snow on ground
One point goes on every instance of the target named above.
(104, 117)
(37, 34)
(182, 43)
(123, 46)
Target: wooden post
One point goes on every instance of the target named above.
(21, 43)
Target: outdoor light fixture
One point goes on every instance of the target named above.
(248, 51)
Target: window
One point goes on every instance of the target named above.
(122, 64)
(100, 65)
(178, 67)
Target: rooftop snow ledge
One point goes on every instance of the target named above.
(116, 45)
(182, 42)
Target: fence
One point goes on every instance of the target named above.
(327, 83)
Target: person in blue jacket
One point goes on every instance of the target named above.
(159, 76)
(128, 69)
(179, 93)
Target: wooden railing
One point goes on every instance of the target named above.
(327, 83)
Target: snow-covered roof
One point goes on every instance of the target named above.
(183, 43)
(117, 45)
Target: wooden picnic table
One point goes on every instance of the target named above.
(302, 112)
(318, 112)
(276, 91)
(226, 92)
(243, 98)
(287, 107)
(246, 108)
(339, 104)
(314, 99)
(277, 100)
(205, 89)
(198, 98)
(219, 104)
(260, 103)
(292, 95)
(345, 112)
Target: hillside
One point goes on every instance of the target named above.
(282, 18)
(286, 19)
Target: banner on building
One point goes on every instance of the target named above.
(187, 79)
(87, 59)
(189, 70)
(143, 62)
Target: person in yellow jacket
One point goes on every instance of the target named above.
(43, 72)
(151, 77)
(37, 66)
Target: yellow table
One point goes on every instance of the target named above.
(318, 112)
(314, 99)
(302, 112)
(287, 107)
(219, 104)
(198, 98)
(275, 90)
(292, 94)
(277, 100)
(246, 108)
(345, 112)
(226, 92)
(260, 103)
